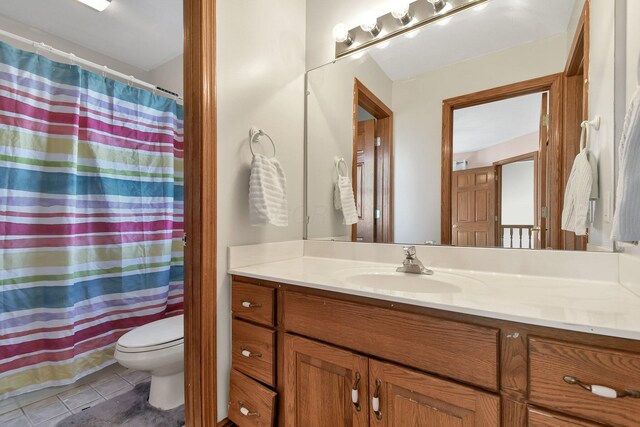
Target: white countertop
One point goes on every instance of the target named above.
(598, 307)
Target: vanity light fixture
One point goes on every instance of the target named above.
(98, 5)
(402, 11)
(440, 6)
(405, 17)
(369, 24)
(342, 35)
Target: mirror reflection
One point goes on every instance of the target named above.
(453, 135)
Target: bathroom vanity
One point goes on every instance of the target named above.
(314, 346)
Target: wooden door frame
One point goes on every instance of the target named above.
(553, 84)
(366, 99)
(200, 213)
(576, 87)
(535, 156)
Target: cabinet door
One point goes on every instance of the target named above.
(321, 384)
(404, 398)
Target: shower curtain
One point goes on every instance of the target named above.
(91, 217)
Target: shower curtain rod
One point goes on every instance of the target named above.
(75, 60)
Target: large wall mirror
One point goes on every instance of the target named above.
(462, 132)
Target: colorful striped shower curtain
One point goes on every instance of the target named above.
(91, 216)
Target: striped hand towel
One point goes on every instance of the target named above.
(343, 200)
(578, 192)
(268, 192)
(626, 221)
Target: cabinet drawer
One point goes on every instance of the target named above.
(457, 350)
(253, 351)
(253, 302)
(539, 418)
(250, 403)
(550, 361)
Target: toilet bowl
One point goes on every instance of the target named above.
(157, 347)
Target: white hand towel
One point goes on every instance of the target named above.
(578, 192)
(626, 220)
(343, 200)
(268, 192)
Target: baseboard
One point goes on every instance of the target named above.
(225, 423)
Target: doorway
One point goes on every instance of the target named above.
(518, 221)
(474, 216)
(372, 167)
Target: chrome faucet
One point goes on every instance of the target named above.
(411, 263)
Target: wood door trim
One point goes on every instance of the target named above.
(527, 156)
(577, 62)
(200, 213)
(576, 86)
(552, 84)
(362, 96)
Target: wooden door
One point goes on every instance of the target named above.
(319, 383)
(408, 398)
(365, 179)
(473, 206)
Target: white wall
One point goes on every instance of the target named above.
(66, 46)
(260, 73)
(518, 193)
(169, 75)
(417, 107)
(486, 157)
(330, 134)
(601, 103)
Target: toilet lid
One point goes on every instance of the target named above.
(158, 333)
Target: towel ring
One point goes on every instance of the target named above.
(340, 161)
(254, 137)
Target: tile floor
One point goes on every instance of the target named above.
(47, 412)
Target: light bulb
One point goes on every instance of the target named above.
(369, 23)
(440, 6)
(401, 11)
(341, 34)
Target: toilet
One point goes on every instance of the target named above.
(157, 347)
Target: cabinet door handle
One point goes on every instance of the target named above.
(249, 304)
(245, 411)
(248, 353)
(354, 393)
(601, 390)
(375, 401)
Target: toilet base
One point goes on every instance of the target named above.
(167, 392)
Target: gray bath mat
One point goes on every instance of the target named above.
(130, 409)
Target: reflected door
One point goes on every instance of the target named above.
(473, 207)
(364, 180)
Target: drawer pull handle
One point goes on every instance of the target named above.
(249, 304)
(375, 402)
(354, 393)
(246, 412)
(601, 390)
(247, 353)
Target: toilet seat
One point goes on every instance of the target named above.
(148, 349)
(158, 335)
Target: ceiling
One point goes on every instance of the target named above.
(500, 25)
(142, 33)
(486, 125)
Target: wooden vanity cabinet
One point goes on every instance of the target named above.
(325, 385)
(424, 367)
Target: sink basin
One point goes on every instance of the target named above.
(390, 280)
